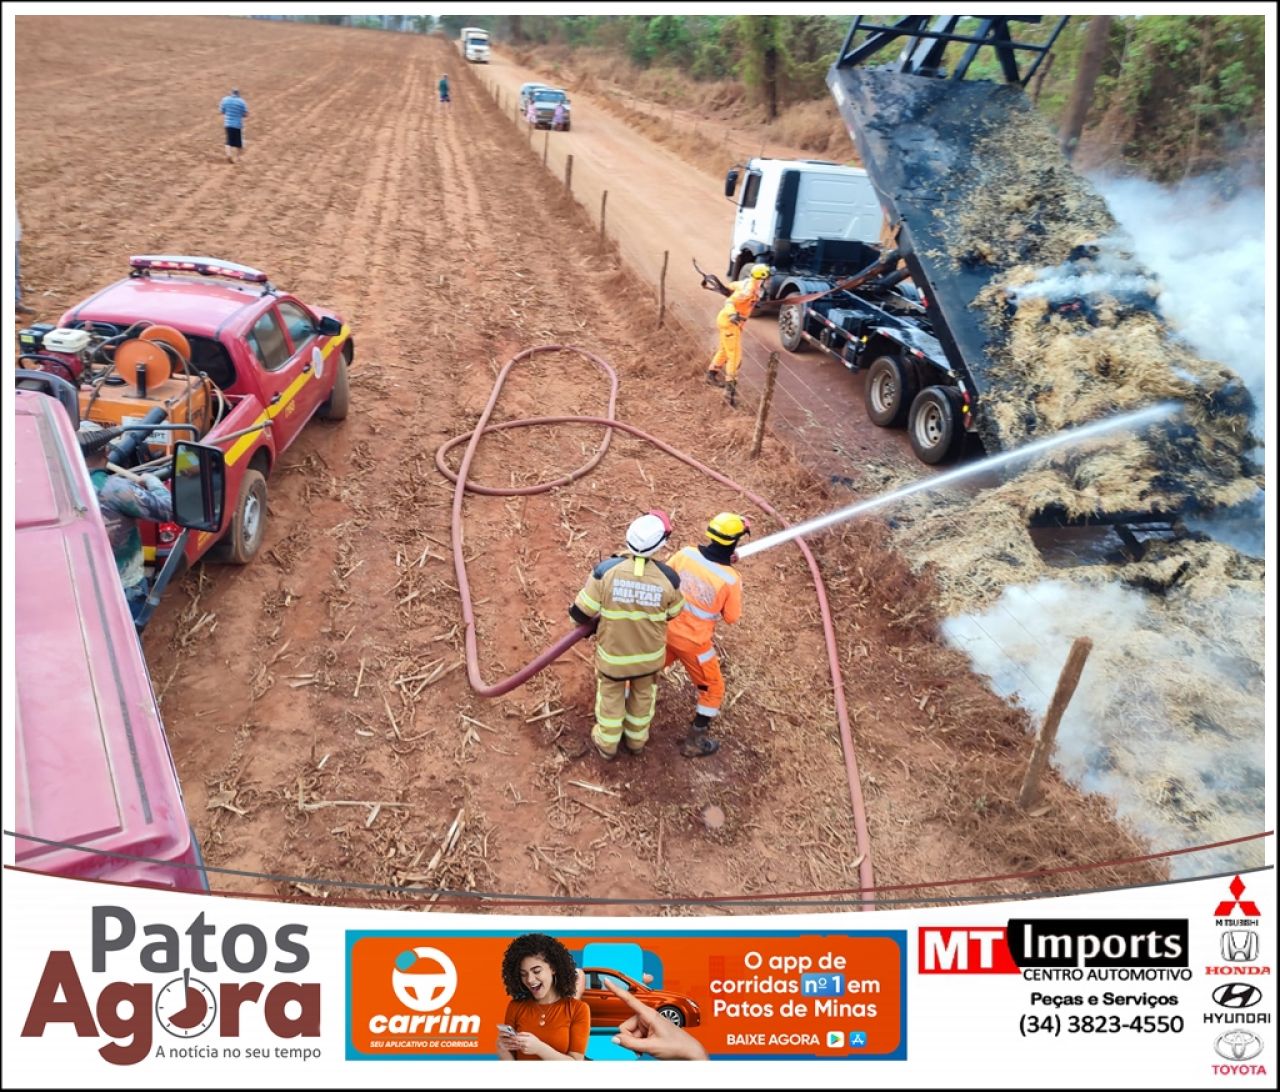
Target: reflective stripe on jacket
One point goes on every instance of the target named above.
(711, 591)
(742, 298)
(634, 598)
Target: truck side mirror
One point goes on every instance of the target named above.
(329, 326)
(731, 181)
(199, 486)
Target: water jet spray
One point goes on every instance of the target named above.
(1038, 447)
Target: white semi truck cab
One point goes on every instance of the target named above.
(805, 216)
(475, 44)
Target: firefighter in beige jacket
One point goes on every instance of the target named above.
(634, 596)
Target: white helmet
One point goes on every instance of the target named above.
(647, 533)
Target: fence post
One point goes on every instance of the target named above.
(604, 200)
(662, 289)
(546, 141)
(1067, 682)
(762, 413)
(568, 173)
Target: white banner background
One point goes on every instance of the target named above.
(963, 1030)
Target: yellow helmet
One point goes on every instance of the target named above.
(727, 528)
(759, 271)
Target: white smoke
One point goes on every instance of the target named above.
(1210, 255)
(1112, 271)
(1179, 752)
(1168, 719)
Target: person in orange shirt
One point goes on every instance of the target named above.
(712, 592)
(545, 1020)
(733, 316)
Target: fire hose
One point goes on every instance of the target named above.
(608, 423)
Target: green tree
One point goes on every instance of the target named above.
(764, 60)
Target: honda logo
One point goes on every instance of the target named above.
(1240, 945)
(1237, 995)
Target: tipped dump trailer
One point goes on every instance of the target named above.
(1042, 319)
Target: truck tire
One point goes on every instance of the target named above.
(791, 327)
(249, 523)
(334, 408)
(934, 425)
(891, 386)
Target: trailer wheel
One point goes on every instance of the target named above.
(791, 327)
(891, 386)
(249, 524)
(934, 425)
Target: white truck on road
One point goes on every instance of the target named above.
(475, 44)
(803, 216)
(819, 225)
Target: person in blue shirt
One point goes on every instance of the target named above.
(443, 88)
(234, 111)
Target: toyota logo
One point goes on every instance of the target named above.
(1237, 995)
(1238, 1046)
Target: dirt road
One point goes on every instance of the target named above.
(320, 723)
(658, 205)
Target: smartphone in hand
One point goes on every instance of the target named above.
(507, 1029)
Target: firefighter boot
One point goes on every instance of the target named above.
(731, 392)
(715, 377)
(698, 744)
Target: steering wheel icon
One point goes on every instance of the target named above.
(429, 988)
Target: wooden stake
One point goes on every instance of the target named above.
(546, 143)
(604, 200)
(568, 173)
(662, 290)
(1067, 683)
(762, 413)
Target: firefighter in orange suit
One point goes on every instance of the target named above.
(733, 316)
(712, 592)
(634, 596)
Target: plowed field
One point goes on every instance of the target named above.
(320, 721)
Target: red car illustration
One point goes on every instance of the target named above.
(608, 1011)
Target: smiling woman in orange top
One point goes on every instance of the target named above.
(548, 1023)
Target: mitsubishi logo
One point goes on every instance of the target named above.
(1248, 907)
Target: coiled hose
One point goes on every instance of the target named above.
(462, 486)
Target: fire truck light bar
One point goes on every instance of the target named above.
(208, 267)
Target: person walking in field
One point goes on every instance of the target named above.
(634, 596)
(712, 591)
(732, 318)
(443, 87)
(234, 110)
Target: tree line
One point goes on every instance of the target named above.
(1172, 95)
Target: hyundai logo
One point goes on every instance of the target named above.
(1237, 995)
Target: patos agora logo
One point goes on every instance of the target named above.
(142, 978)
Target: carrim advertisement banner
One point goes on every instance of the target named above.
(1170, 986)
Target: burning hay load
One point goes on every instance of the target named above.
(1059, 325)
(1074, 335)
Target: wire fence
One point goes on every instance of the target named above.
(815, 415)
